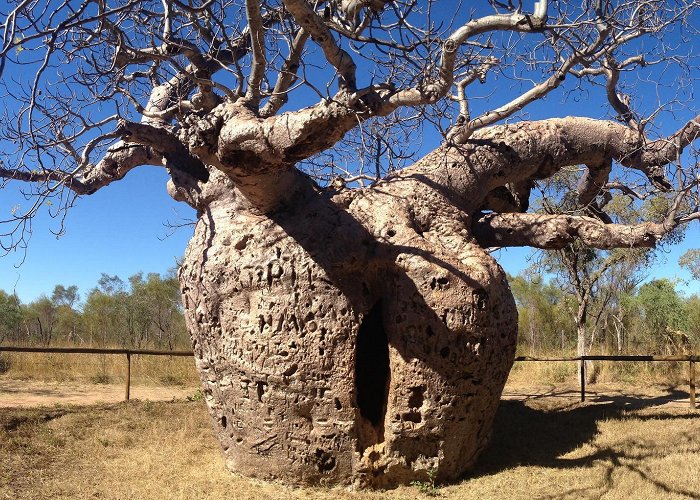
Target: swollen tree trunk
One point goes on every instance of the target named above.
(364, 336)
(348, 337)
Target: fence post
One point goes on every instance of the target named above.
(128, 376)
(582, 376)
(691, 382)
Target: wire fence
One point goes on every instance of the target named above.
(94, 350)
(691, 359)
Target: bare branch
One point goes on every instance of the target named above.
(336, 55)
(119, 160)
(557, 231)
(287, 76)
(430, 93)
(257, 43)
(627, 190)
(619, 102)
(480, 74)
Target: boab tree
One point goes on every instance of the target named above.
(346, 333)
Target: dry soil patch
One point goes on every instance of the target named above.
(625, 396)
(16, 393)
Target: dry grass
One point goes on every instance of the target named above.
(639, 373)
(99, 368)
(542, 448)
(163, 370)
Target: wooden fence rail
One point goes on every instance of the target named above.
(93, 350)
(691, 359)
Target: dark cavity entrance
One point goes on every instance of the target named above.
(372, 367)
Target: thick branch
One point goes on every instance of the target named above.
(536, 150)
(282, 140)
(336, 55)
(119, 160)
(513, 197)
(664, 151)
(474, 177)
(592, 182)
(177, 156)
(557, 231)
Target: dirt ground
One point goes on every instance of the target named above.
(16, 393)
(624, 396)
(623, 442)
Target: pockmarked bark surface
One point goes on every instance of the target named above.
(357, 336)
(355, 332)
(365, 335)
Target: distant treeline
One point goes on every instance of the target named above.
(144, 311)
(651, 319)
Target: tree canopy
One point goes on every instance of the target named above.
(342, 89)
(690, 261)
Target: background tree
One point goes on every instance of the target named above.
(145, 314)
(692, 308)
(690, 261)
(597, 278)
(10, 317)
(367, 327)
(104, 312)
(40, 319)
(663, 314)
(65, 301)
(544, 322)
(156, 304)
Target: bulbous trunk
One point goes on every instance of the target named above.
(358, 336)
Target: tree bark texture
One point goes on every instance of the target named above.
(359, 336)
(364, 336)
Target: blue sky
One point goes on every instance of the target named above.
(122, 229)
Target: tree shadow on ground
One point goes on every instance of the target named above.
(539, 431)
(617, 397)
(525, 434)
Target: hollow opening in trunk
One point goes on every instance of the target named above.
(372, 367)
